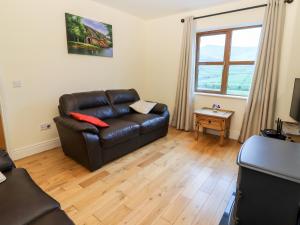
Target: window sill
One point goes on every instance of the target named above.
(221, 96)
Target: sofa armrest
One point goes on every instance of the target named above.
(76, 125)
(6, 163)
(80, 141)
(160, 109)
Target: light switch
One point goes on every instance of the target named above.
(17, 84)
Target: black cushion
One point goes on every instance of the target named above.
(5, 162)
(93, 103)
(148, 122)
(55, 217)
(118, 131)
(21, 200)
(121, 99)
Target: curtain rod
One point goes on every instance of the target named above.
(236, 10)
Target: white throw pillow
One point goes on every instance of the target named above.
(142, 106)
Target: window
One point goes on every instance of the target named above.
(225, 60)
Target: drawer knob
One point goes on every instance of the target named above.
(209, 121)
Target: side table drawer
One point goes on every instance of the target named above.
(210, 123)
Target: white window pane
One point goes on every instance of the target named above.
(212, 48)
(240, 79)
(245, 44)
(209, 78)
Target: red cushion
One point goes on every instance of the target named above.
(90, 119)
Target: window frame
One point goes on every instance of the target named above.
(226, 63)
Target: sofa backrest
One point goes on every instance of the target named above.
(93, 103)
(121, 99)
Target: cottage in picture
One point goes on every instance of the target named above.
(88, 37)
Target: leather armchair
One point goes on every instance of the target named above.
(23, 202)
(6, 164)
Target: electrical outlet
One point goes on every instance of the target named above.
(45, 126)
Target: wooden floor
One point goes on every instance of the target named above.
(174, 180)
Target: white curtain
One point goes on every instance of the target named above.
(183, 111)
(260, 110)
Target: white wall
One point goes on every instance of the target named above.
(33, 49)
(290, 63)
(163, 43)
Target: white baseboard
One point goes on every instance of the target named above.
(234, 135)
(23, 152)
(20, 153)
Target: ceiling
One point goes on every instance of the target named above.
(150, 9)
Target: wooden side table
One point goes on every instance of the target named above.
(291, 131)
(218, 120)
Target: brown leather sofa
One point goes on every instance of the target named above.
(22, 202)
(93, 147)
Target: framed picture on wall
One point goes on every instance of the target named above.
(88, 37)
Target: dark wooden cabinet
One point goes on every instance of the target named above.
(268, 185)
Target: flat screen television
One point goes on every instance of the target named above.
(295, 107)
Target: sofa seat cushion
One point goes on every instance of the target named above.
(118, 131)
(22, 200)
(56, 216)
(147, 122)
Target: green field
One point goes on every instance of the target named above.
(239, 79)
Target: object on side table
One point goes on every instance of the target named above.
(277, 134)
(216, 107)
(270, 133)
(219, 120)
(268, 185)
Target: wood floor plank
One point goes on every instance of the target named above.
(161, 221)
(191, 211)
(175, 209)
(113, 219)
(151, 159)
(206, 215)
(94, 179)
(91, 220)
(172, 181)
